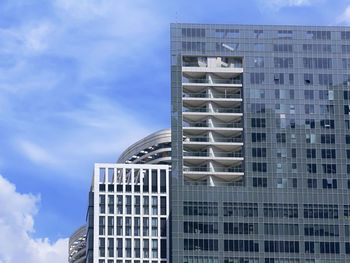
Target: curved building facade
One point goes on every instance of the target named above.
(153, 149)
(77, 246)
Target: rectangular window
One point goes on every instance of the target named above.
(311, 153)
(145, 248)
(327, 124)
(309, 94)
(258, 123)
(258, 152)
(283, 48)
(317, 63)
(285, 34)
(312, 183)
(154, 181)
(154, 205)
(329, 183)
(257, 78)
(145, 205)
(318, 35)
(308, 79)
(259, 62)
(145, 226)
(258, 137)
(163, 205)
(325, 79)
(283, 62)
(163, 181)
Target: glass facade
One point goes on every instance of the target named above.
(260, 144)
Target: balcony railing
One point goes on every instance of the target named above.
(220, 170)
(212, 96)
(214, 154)
(213, 81)
(214, 125)
(206, 139)
(215, 110)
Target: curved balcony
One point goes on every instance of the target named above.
(212, 96)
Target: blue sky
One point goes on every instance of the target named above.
(82, 80)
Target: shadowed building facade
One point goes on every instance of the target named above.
(260, 144)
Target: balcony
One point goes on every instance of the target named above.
(214, 110)
(237, 154)
(214, 125)
(212, 81)
(212, 96)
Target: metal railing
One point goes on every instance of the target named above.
(206, 139)
(214, 154)
(213, 81)
(212, 96)
(215, 110)
(214, 125)
(220, 170)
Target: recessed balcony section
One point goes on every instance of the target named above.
(228, 174)
(226, 66)
(200, 79)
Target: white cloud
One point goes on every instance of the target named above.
(278, 4)
(16, 225)
(35, 153)
(344, 17)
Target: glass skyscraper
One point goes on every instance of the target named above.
(260, 144)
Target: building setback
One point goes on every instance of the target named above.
(260, 144)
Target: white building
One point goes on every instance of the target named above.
(128, 214)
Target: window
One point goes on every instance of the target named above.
(154, 227)
(318, 35)
(309, 94)
(323, 94)
(346, 95)
(283, 48)
(258, 107)
(258, 137)
(329, 168)
(311, 183)
(317, 63)
(325, 79)
(329, 183)
(283, 62)
(258, 47)
(281, 137)
(285, 34)
(320, 211)
(226, 33)
(278, 78)
(257, 78)
(259, 182)
(311, 153)
(259, 167)
(326, 109)
(258, 34)
(259, 62)
(241, 245)
(328, 154)
(310, 138)
(258, 152)
(193, 46)
(193, 32)
(328, 138)
(345, 35)
(308, 79)
(346, 63)
(258, 123)
(345, 48)
(309, 109)
(311, 168)
(347, 139)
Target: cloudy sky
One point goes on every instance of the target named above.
(82, 80)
